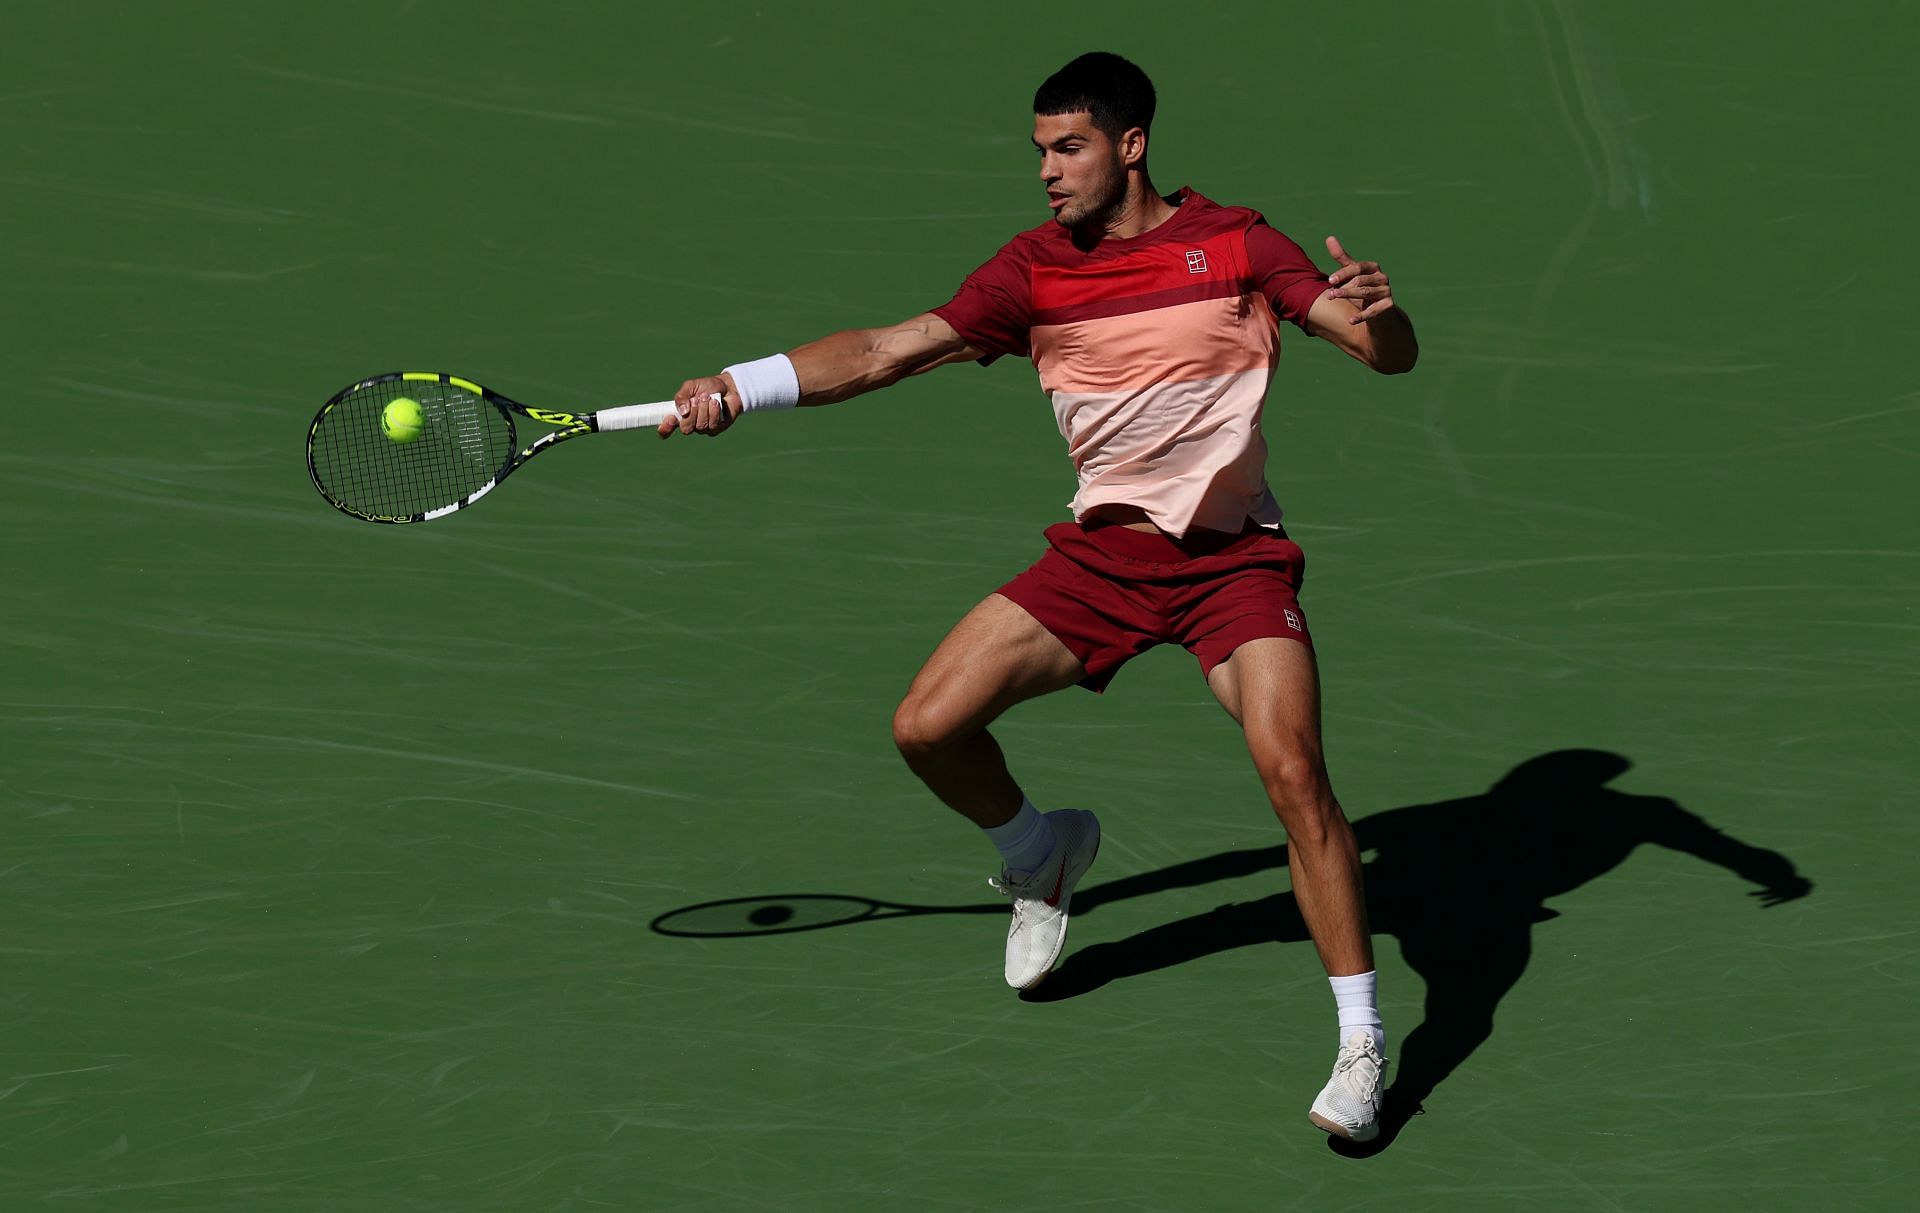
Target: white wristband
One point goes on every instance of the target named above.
(766, 383)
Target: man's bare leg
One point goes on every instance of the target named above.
(994, 658)
(1272, 688)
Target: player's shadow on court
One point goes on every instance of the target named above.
(1459, 883)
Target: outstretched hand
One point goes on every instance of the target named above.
(706, 405)
(1363, 282)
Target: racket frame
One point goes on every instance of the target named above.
(569, 425)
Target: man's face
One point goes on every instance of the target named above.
(1081, 167)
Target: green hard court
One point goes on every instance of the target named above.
(555, 856)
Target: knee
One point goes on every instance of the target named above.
(1296, 782)
(919, 729)
(1294, 778)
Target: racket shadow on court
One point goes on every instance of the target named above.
(1461, 885)
(792, 913)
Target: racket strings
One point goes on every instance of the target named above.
(464, 442)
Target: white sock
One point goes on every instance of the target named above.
(1355, 996)
(1025, 842)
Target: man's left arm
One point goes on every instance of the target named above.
(1357, 313)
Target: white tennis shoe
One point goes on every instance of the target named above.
(1041, 899)
(1349, 1105)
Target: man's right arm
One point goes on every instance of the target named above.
(850, 363)
(837, 367)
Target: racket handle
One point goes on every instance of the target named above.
(632, 416)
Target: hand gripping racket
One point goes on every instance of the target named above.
(399, 467)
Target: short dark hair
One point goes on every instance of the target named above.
(1115, 91)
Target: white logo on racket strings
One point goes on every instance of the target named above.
(1196, 261)
(467, 430)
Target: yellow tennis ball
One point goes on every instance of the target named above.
(401, 420)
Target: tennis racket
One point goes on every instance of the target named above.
(462, 448)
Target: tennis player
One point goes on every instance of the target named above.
(1152, 321)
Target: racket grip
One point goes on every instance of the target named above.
(632, 416)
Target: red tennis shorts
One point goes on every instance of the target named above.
(1110, 593)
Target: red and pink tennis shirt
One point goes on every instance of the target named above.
(1157, 351)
